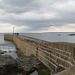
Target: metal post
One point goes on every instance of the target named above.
(13, 30)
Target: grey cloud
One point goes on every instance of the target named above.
(20, 6)
(62, 17)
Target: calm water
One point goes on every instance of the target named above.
(7, 46)
(53, 37)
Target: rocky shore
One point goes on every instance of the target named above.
(28, 64)
(2, 52)
(20, 66)
(7, 64)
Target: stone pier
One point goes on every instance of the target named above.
(51, 54)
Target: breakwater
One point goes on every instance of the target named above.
(51, 54)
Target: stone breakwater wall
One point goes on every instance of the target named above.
(51, 54)
(8, 37)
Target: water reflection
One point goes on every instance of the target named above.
(34, 73)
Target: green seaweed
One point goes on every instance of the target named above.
(42, 70)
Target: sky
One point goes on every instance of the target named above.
(37, 16)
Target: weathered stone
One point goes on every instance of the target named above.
(28, 63)
(2, 52)
(7, 64)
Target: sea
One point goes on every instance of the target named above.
(51, 37)
(7, 46)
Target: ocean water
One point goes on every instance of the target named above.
(53, 36)
(7, 46)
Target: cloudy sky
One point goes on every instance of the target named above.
(37, 16)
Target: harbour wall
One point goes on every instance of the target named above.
(51, 54)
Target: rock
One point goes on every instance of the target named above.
(71, 34)
(7, 64)
(28, 63)
(2, 52)
(19, 66)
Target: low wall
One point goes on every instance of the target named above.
(8, 37)
(50, 54)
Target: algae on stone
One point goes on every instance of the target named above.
(42, 70)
